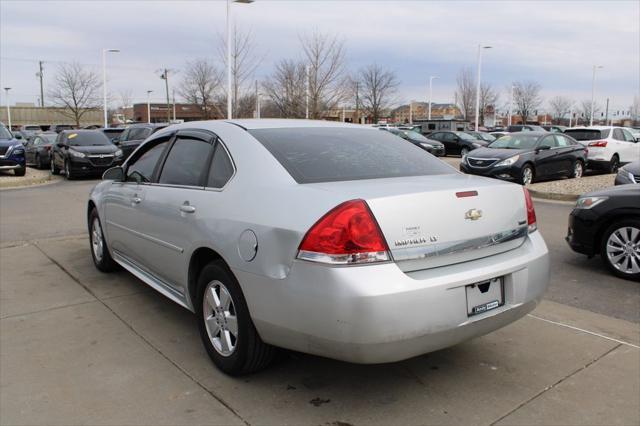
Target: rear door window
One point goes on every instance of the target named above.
(322, 154)
(221, 168)
(618, 135)
(186, 162)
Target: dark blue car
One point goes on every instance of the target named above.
(11, 153)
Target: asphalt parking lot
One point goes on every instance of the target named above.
(81, 347)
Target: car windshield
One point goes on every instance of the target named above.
(4, 133)
(587, 134)
(87, 139)
(517, 141)
(415, 136)
(466, 136)
(319, 154)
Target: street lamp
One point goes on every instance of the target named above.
(510, 104)
(480, 48)
(593, 90)
(104, 81)
(149, 106)
(6, 89)
(229, 104)
(431, 78)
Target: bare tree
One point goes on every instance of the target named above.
(244, 62)
(560, 106)
(585, 111)
(465, 94)
(286, 88)
(126, 98)
(324, 56)
(200, 84)
(488, 97)
(76, 90)
(378, 86)
(526, 97)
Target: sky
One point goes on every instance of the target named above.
(554, 43)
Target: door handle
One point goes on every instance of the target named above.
(186, 208)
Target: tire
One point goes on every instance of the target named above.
(527, 175)
(68, 175)
(54, 169)
(614, 164)
(21, 171)
(238, 354)
(464, 151)
(577, 170)
(39, 163)
(616, 241)
(98, 245)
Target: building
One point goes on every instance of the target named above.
(420, 110)
(184, 112)
(44, 117)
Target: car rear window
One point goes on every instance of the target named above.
(587, 134)
(317, 154)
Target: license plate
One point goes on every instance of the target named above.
(484, 296)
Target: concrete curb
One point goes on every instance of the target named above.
(27, 182)
(553, 195)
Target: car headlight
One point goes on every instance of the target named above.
(118, 153)
(477, 145)
(509, 161)
(77, 154)
(589, 202)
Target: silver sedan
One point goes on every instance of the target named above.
(326, 238)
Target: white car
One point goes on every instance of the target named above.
(609, 146)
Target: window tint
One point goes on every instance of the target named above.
(137, 133)
(561, 141)
(617, 135)
(142, 169)
(221, 168)
(549, 141)
(628, 136)
(186, 162)
(588, 134)
(340, 154)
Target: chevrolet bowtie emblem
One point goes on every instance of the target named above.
(473, 214)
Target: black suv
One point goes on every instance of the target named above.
(83, 153)
(134, 135)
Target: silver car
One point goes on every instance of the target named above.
(331, 239)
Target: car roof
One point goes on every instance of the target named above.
(532, 133)
(594, 128)
(278, 123)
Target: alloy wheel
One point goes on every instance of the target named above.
(527, 176)
(219, 316)
(623, 249)
(577, 170)
(97, 243)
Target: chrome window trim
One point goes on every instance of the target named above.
(233, 165)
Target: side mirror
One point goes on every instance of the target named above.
(17, 135)
(115, 174)
(116, 140)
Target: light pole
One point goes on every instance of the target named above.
(229, 104)
(306, 92)
(431, 78)
(104, 81)
(149, 105)
(480, 49)
(6, 89)
(593, 91)
(510, 105)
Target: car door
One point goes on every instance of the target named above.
(449, 142)
(123, 200)
(633, 147)
(620, 145)
(174, 205)
(56, 151)
(30, 149)
(546, 160)
(566, 154)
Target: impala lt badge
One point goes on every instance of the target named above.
(473, 214)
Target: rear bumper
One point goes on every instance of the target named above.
(377, 313)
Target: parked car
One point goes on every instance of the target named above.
(280, 233)
(20, 135)
(83, 153)
(31, 130)
(112, 133)
(487, 137)
(11, 153)
(609, 146)
(555, 128)
(37, 150)
(60, 127)
(457, 143)
(607, 223)
(499, 134)
(525, 128)
(134, 135)
(431, 146)
(628, 174)
(528, 156)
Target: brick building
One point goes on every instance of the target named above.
(420, 110)
(185, 112)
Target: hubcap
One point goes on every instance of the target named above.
(527, 176)
(577, 170)
(623, 249)
(219, 315)
(96, 239)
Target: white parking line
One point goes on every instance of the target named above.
(585, 331)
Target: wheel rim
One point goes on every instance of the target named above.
(66, 169)
(219, 316)
(52, 166)
(97, 242)
(464, 151)
(527, 176)
(623, 249)
(614, 165)
(577, 170)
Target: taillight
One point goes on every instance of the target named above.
(531, 211)
(48, 147)
(348, 234)
(599, 144)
